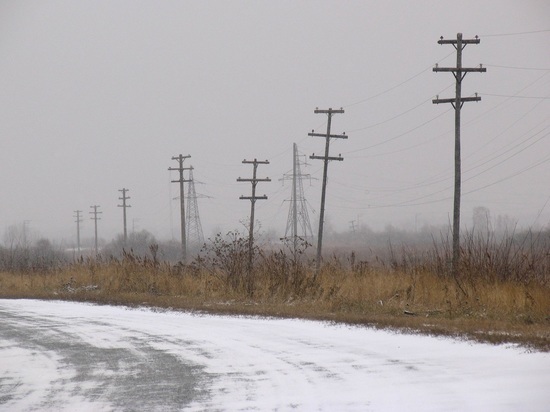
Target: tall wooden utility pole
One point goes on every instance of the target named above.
(459, 73)
(124, 198)
(254, 181)
(326, 158)
(181, 180)
(95, 218)
(78, 221)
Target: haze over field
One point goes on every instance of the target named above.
(99, 95)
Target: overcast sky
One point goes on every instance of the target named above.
(97, 96)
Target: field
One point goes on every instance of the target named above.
(495, 297)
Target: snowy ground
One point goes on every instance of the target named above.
(71, 356)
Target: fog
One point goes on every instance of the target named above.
(97, 96)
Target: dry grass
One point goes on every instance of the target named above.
(492, 310)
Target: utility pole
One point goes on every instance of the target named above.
(78, 221)
(326, 158)
(298, 217)
(459, 73)
(254, 181)
(95, 218)
(352, 226)
(181, 180)
(124, 198)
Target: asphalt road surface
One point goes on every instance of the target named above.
(136, 376)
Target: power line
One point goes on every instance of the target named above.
(506, 100)
(509, 127)
(442, 178)
(400, 114)
(399, 135)
(516, 96)
(516, 67)
(387, 90)
(516, 33)
(512, 155)
(407, 202)
(370, 126)
(396, 86)
(541, 210)
(510, 176)
(423, 124)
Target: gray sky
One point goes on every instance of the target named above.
(99, 95)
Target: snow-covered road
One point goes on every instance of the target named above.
(73, 356)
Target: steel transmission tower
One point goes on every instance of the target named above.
(297, 224)
(459, 73)
(194, 228)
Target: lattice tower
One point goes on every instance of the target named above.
(194, 228)
(298, 224)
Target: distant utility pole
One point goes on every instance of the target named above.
(181, 180)
(78, 221)
(326, 158)
(95, 218)
(459, 73)
(297, 213)
(352, 226)
(124, 198)
(253, 199)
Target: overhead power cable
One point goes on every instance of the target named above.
(516, 33)
(387, 90)
(507, 99)
(516, 97)
(470, 169)
(540, 211)
(391, 118)
(517, 67)
(399, 135)
(407, 203)
(509, 157)
(510, 176)
(397, 85)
